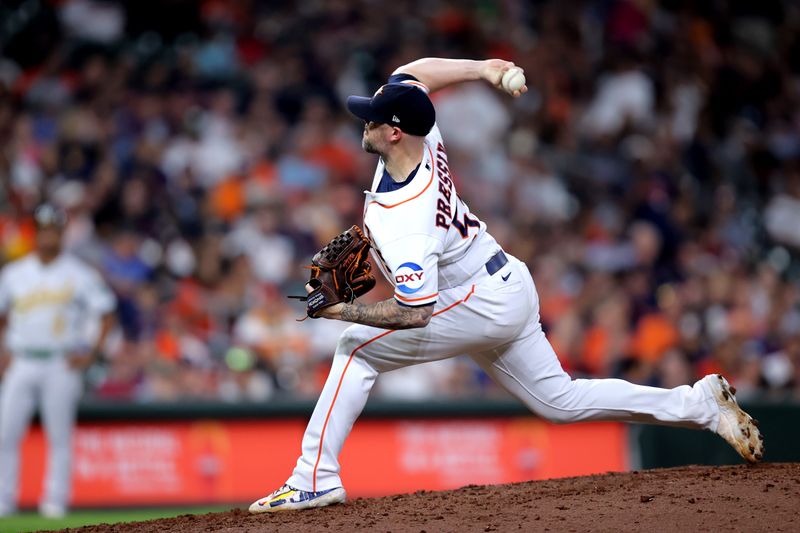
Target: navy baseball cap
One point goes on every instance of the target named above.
(397, 104)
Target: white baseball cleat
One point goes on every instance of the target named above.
(49, 510)
(735, 426)
(289, 498)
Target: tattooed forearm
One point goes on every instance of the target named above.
(387, 314)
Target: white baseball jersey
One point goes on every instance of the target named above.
(423, 236)
(47, 304)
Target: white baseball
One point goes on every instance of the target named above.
(513, 80)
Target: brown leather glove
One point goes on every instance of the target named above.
(340, 272)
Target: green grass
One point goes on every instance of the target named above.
(29, 521)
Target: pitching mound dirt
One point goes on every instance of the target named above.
(735, 498)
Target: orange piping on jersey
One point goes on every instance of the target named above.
(341, 379)
(415, 299)
(433, 171)
(418, 84)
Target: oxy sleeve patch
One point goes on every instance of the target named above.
(409, 277)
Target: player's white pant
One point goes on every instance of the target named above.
(56, 389)
(496, 322)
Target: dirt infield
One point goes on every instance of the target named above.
(733, 498)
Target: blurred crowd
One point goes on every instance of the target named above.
(650, 178)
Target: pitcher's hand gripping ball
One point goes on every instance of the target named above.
(513, 80)
(340, 272)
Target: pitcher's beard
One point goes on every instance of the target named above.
(368, 147)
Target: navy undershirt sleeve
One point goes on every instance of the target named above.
(397, 78)
(387, 184)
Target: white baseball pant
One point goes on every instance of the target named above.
(57, 389)
(495, 320)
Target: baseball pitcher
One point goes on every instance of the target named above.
(45, 299)
(455, 292)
